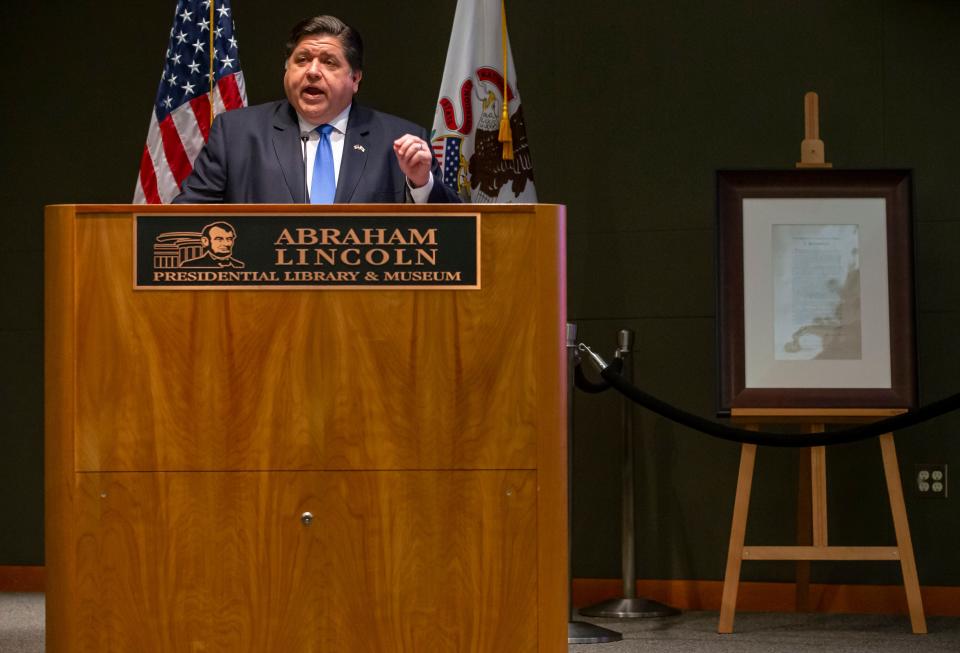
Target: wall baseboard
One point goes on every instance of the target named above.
(685, 594)
(773, 597)
(22, 578)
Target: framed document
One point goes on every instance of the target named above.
(815, 301)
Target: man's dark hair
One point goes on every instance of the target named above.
(226, 226)
(349, 37)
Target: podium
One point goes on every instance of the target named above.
(305, 469)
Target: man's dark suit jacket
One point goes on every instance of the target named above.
(254, 156)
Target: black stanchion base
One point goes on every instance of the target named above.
(634, 608)
(580, 632)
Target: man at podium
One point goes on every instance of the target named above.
(317, 146)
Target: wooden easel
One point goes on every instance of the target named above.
(817, 547)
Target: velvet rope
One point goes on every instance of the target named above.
(774, 439)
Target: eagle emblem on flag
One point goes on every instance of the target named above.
(469, 150)
(489, 172)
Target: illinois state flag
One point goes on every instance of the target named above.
(202, 53)
(479, 136)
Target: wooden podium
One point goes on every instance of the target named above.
(189, 433)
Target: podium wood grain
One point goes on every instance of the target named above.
(394, 561)
(188, 430)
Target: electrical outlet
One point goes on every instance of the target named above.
(931, 481)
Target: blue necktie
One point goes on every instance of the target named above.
(323, 188)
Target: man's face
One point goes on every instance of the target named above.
(318, 80)
(220, 242)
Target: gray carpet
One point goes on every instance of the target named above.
(21, 631)
(768, 632)
(21, 622)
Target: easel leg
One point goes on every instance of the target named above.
(738, 529)
(911, 582)
(818, 490)
(811, 512)
(804, 529)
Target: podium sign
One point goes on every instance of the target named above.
(323, 251)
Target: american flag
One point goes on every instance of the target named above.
(181, 116)
(446, 150)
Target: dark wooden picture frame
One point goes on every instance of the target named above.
(893, 186)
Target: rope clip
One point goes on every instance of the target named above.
(597, 360)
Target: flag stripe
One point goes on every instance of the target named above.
(167, 186)
(218, 105)
(230, 92)
(148, 178)
(241, 86)
(201, 112)
(173, 150)
(189, 130)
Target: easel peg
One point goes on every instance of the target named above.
(811, 148)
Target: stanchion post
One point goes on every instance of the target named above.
(578, 632)
(629, 605)
(628, 545)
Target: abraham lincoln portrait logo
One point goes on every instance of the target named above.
(209, 249)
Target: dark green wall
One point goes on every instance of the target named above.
(631, 107)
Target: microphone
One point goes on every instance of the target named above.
(304, 137)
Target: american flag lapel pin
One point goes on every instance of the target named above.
(359, 147)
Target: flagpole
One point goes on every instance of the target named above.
(505, 136)
(211, 60)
